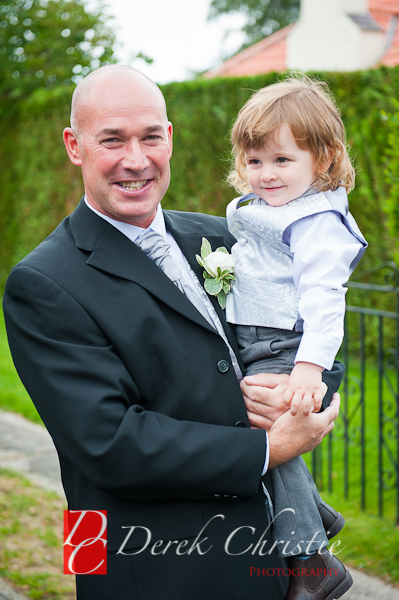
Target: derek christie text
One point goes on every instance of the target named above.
(234, 544)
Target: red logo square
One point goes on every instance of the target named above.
(85, 542)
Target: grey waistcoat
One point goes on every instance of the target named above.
(264, 293)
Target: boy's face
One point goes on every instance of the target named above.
(280, 171)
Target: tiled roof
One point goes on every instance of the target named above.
(270, 53)
(384, 12)
(267, 55)
(391, 6)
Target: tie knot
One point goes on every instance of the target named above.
(157, 248)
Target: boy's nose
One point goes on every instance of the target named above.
(268, 174)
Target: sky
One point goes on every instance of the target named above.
(174, 33)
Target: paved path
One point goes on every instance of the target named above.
(28, 448)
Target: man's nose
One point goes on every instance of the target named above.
(135, 158)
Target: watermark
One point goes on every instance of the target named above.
(296, 572)
(242, 540)
(85, 542)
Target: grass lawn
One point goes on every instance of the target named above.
(31, 532)
(13, 395)
(367, 542)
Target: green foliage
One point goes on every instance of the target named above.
(263, 16)
(45, 47)
(203, 112)
(45, 43)
(39, 185)
(392, 170)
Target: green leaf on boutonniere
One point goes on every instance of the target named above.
(212, 286)
(200, 261)
(206, 248)
(222, 299)
(226, 287)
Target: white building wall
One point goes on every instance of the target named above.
(355, 7)
(326, 39)
(371, 48)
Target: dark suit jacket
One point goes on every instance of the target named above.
(126, 376)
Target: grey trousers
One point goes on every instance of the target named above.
(297, 521)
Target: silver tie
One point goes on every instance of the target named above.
(156, 248)
(154, 245)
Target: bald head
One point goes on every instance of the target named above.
(108, 78)
(122, 140)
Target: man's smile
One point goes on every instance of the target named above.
(132, 185)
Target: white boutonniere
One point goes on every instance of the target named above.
(219, 271)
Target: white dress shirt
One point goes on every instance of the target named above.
(323, 251)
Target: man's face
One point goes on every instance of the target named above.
(124, 146)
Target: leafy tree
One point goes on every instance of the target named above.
(45, 43)
(263, 16)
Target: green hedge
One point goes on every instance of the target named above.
(39, 186)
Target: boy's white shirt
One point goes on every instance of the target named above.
(323, 251)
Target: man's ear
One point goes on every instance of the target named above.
(72, 147)
(170, 138)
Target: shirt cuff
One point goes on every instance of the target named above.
(318, 349)
(266, 465)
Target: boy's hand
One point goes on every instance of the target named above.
(304, 388)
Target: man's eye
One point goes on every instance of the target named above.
(282, 159)
(110, 141)
(153, 138)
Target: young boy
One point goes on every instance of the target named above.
(297, 245)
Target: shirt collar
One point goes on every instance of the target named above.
(132, 231)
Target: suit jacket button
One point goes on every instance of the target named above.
(223, 366)
(240, 424)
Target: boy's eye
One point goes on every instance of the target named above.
(253, 161)
(282, 160)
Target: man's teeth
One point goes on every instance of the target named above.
(133, 185)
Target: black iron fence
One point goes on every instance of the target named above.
(360, 458)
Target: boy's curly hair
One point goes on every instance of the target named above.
(307, 107)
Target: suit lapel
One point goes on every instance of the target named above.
(114, 253)
(188, 233)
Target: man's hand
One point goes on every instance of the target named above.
(292, 435)
(263, 396)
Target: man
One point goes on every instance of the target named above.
(135, 384)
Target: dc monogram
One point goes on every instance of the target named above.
(85, 542)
